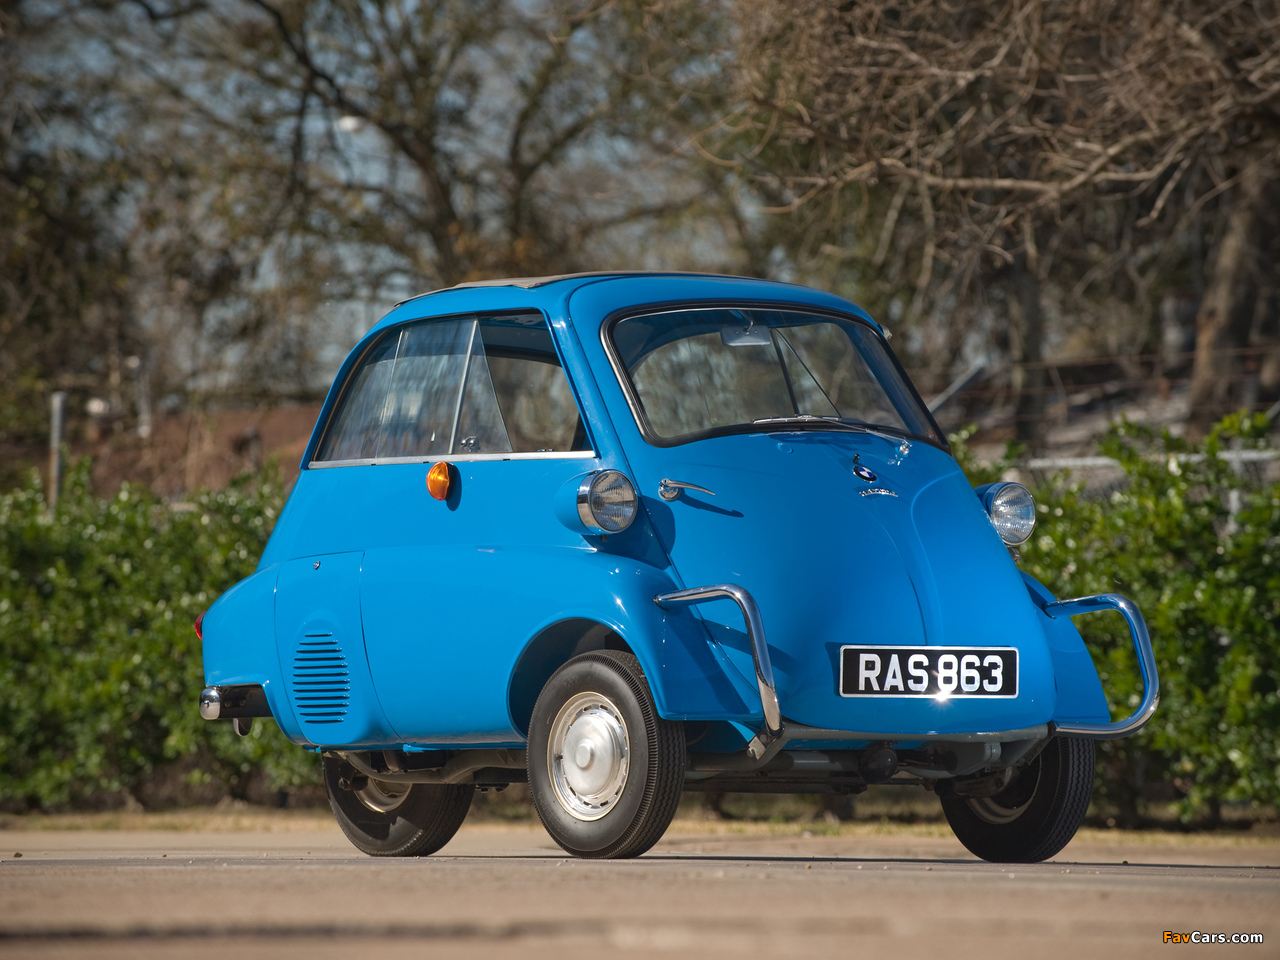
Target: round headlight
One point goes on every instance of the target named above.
(1012, 510)
(607, 501)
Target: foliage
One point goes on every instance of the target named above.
(99, 664)
(1196, 543)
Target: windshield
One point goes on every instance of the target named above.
(698, 373)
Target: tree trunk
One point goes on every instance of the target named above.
(1225, 297)
(1028, 355)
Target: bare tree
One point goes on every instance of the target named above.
(432, 142)
(63, 318)
(1012, 144)
(270, 175)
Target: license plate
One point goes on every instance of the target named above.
(935, 672)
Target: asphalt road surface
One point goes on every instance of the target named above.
(508, 891)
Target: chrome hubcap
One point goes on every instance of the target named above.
(589, 756)
(381, 796)
(1009, 804)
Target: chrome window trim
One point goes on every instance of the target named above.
(652, 438)
(459, 458)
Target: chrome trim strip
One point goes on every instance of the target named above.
(1146, 662)
(462, 387)
(456, 458)
(584, 502)
(755, 634)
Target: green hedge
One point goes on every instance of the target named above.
(1196, 543)
(100, 669)
(99, 666)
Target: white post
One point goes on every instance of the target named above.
(58, 410)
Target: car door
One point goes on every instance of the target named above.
(777, 509)
(442, 606)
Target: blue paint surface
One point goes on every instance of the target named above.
(437, 616)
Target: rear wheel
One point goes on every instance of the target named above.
(605, 771)
(1037, 814)
(386, 819)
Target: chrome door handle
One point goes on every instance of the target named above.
(670, 489)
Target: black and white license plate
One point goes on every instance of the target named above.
(928, 671)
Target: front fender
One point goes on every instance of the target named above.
(688, 672)
(1080, 696)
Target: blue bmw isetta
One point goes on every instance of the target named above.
(624, 535)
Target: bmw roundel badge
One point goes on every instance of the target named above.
(865, 473)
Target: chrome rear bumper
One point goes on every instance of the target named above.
(233, 702)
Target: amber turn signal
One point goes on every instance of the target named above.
(439, 479)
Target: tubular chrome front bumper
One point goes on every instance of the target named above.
(1146, 663)
(772, 731)
(777, 731)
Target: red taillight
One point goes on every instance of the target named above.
(199, 626)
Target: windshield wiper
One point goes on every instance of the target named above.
(856, 426)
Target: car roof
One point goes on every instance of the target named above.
(528, 283)
(544, 292)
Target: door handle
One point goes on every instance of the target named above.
(670, 489)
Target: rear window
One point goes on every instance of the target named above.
(456, 386)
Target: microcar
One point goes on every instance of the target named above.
(625, 535)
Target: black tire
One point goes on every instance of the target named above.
(1037, 814)
(413, 822)
(640, 783)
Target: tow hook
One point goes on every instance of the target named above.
(878, 763)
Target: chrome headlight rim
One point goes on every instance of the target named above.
(590, 490)
(996, 496)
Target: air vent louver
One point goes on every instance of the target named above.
(321, 680)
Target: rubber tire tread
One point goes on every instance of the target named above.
(427, 819)
(1055, 813)
(664, 778)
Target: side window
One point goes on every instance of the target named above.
(457, 386)
(356, 429)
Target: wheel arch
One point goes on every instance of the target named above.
(551, 648)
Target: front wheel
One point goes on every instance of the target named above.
(1037, 814)
(386, 819)
(605, 771)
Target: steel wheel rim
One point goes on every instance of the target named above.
(381, 796)
(588, 756)
(992, 810)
